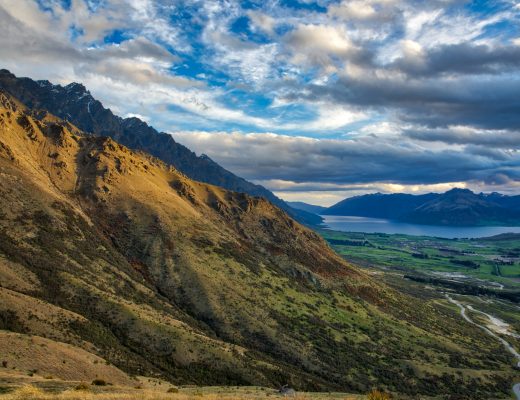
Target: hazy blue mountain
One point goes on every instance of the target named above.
(378, 205)
(462, 207)
(457, 207)
(74, 103)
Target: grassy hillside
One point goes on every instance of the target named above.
(83, 391)
(115, 253)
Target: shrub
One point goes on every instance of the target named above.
(28, 393)
(172, 390)
(99, 382)
(82, 386)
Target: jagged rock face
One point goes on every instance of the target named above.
(75, 104)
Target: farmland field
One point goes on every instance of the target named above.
(490, 262)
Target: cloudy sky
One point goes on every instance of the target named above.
(315, 99)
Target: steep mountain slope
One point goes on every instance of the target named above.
(457, 207)
(121, 255)
(75, 104)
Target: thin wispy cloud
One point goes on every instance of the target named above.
(366, 93)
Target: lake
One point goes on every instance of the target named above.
(376, 225)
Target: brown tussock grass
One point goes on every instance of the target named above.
(33, 393)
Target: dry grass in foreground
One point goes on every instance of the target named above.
(33, 393)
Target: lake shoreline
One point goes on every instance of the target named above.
(379, 225)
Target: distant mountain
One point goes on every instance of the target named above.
(378, 205)
(300, 205)
(457, 207)
(75, 104)
(502, 237)
(462, 207)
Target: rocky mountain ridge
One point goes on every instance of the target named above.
(75, 104)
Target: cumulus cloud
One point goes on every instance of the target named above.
(325, 46)
(365, 10)
(261, 21)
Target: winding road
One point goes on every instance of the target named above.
(516, 389)
(511, 349)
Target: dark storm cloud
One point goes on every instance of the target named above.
(487, 103)
(362, 160)
(462, 58)
(502, 139)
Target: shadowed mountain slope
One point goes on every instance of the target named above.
(74, 103)
(122, 256)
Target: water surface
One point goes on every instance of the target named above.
(376, 225)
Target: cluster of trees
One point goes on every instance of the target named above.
(349, 242)
(467, 288)
(466, 263)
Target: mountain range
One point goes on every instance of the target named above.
(117, 264)
(456, 207)
(75, 104)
